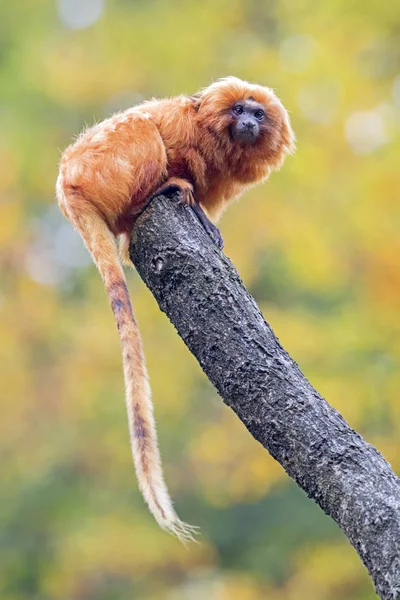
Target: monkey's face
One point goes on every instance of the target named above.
(247, 118)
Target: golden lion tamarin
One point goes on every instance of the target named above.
(211, 147)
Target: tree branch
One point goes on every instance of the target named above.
(201, 293)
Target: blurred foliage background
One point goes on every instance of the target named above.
(318, 246)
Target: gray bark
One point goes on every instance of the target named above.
(200, 291)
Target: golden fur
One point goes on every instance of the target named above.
(105, 179)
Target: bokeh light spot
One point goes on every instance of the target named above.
(365, 131)
(297, 52)
(78, 14)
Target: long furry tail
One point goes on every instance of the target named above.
(102, 246)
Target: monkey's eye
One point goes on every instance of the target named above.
(238, 110)
(259, 114)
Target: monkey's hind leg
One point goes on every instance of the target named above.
(174, 184)
(123, 249)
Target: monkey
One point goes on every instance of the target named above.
(210, 147)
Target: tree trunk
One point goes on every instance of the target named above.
(200, 291)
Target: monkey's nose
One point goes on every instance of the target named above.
(248, 125)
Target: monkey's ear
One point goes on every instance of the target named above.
(196, 99)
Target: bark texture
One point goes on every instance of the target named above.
(200, 291)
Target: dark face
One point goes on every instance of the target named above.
(248, 116)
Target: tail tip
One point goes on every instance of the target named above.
(183, 531)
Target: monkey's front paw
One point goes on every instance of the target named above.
(214, 233)
(208, 226)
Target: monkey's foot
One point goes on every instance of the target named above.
(184, 187)
(209, 227)
(186, 196)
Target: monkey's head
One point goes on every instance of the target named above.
(249, 117)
